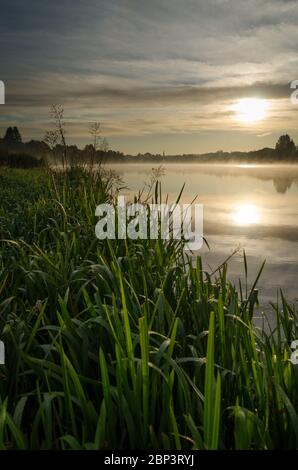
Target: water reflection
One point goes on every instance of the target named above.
(282, 185)
(249, 206)
(284, 177)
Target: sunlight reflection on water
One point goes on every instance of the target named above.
(252, 207)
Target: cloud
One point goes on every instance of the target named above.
(173, 65)
(265, 134)
(44, 88)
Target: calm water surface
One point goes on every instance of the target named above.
(245, 206)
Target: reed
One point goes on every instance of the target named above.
(128, 344)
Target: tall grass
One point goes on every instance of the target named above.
(128, 344)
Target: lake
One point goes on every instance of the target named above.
(251, 207)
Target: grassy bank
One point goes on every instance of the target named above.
(126, 344)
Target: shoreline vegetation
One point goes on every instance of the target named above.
(53, 151)
(125, 344)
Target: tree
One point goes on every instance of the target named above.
(12, 136)
(285, 147)
(17, 135)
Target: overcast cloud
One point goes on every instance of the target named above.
(155, 69)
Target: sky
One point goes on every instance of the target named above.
(159, 75)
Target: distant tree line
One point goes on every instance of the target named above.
(54, 150)
(51, 151)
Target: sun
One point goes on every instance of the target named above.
(246, 214)
(250, 110)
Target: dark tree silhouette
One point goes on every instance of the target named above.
(12, 136)
(285, 147)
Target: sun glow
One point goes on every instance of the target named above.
(246, 214)
(251, 110)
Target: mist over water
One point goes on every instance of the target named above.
(251, 207)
